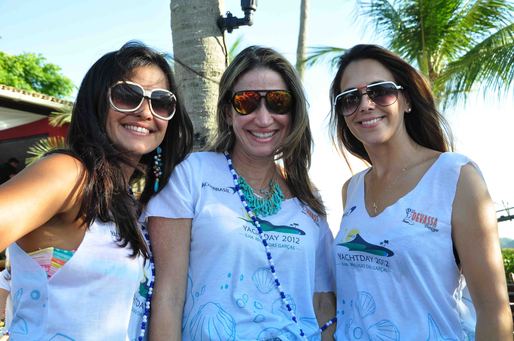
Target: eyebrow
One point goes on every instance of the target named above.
(374, 82)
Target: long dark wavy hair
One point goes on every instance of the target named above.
(424, 124)
(105, 195)
(295, 152)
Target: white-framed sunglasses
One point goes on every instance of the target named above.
(381, 93)
(127, 97)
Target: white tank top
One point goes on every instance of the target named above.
(397, 277)
(89, 298)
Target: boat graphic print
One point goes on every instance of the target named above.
(359, 244)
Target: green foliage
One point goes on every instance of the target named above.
(320, 54)
(458, 45)
(31, 72)
(43, 146)
(235, 48)
(508, 262)
(61, 117)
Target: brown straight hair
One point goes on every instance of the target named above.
(295, 152)
(424, 124)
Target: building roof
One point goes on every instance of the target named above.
(10, 93)
(19, 107)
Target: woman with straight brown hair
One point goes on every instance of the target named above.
(419, 227)
(241, 244)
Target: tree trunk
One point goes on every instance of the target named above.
(302, 36)
(200, 59)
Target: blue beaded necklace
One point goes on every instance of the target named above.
(150, 282)
(235, 178)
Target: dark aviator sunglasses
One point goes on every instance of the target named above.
(277, 101)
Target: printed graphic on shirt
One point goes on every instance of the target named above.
(355, 251)
(209, 316)
(310, 213)
(413, 217)
(349, 211)
(434, 332)
(224, 189)
(359, 323)
(266, 226)
(359, 244)
(288, 237)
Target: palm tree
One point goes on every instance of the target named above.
(457, 44)
(200, 57)
(302, 37)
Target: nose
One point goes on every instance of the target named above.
(366, 103)
(263, 116)
(144, 111)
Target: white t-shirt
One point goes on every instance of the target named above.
(230, 293)
(397, 277)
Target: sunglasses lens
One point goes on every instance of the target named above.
(383, 94)
(245, 102)
(348, 103)
(126, 96)
(279, 101)
(163, 103)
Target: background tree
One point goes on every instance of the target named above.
(31, 72)
(200, 56)
(302, 37)
(459, 45)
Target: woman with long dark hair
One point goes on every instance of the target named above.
(69, 221)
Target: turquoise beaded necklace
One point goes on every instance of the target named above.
(269, 204)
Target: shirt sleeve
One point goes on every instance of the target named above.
(177, 199)
(324, 272)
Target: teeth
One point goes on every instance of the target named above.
(370, 122)
(263, 135)
(140, 130)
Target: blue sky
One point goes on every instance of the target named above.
(74, 34)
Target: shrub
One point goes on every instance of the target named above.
(508, 262)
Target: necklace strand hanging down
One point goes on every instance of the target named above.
(271, 263)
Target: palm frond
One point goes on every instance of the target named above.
(489, 65)
(61, 117)
(472, 22)
(234, 48)
(43, 146)
(320, 54)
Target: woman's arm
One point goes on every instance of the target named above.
(325, 309)
(50, 186)
(170, 239)
(475, 235)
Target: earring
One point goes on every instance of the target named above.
(157, 171)
(408, 110)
